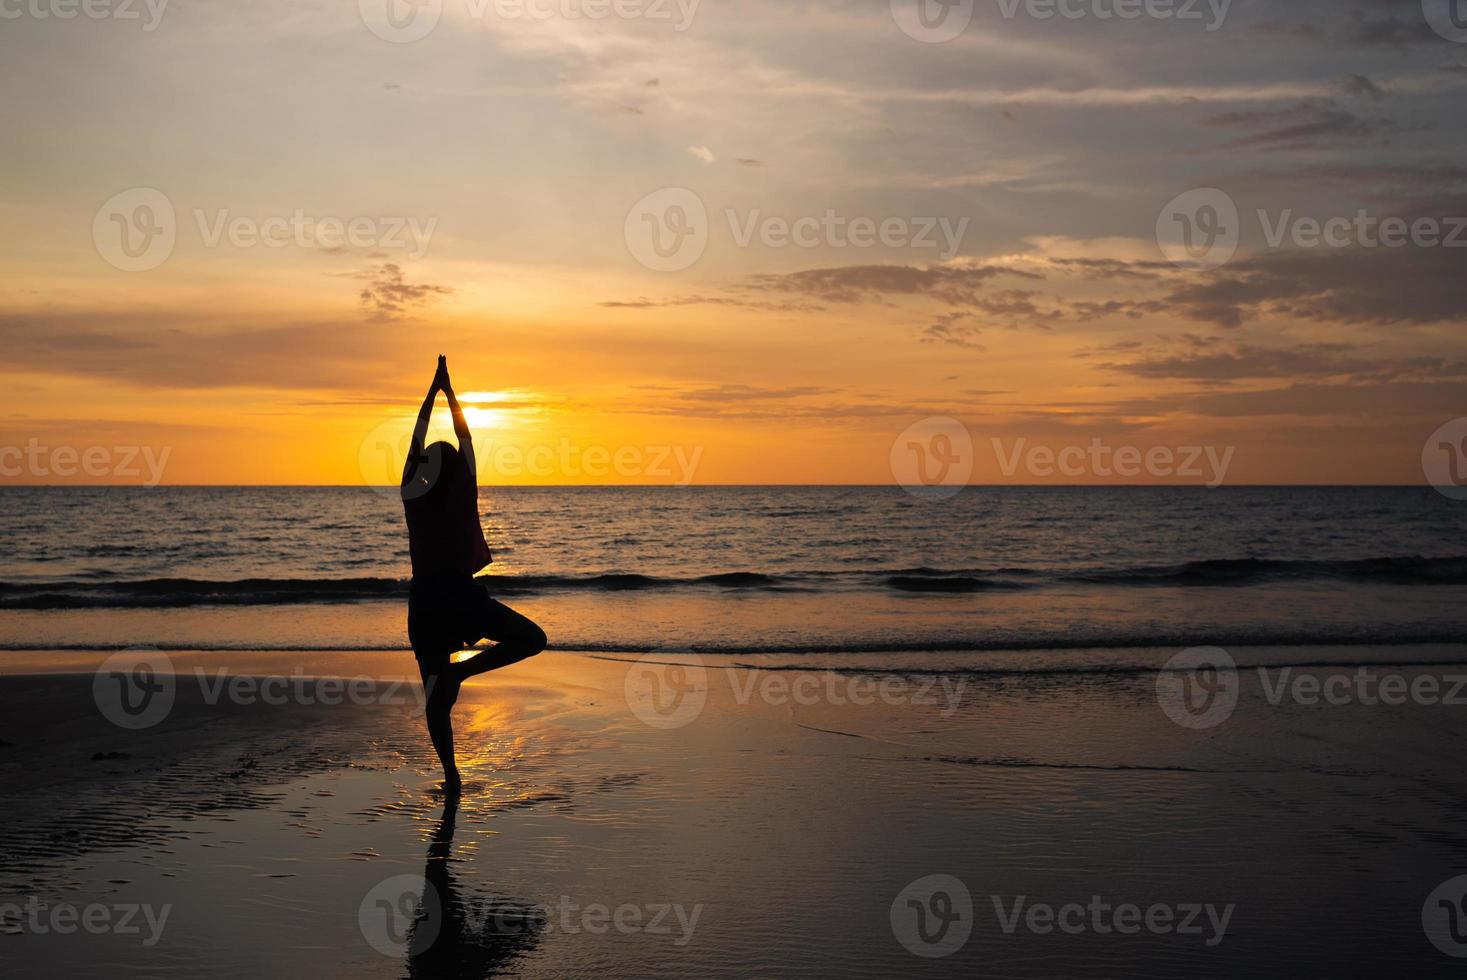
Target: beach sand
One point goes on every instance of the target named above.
(764, 823)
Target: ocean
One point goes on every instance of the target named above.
(892, 696)
(801, 573)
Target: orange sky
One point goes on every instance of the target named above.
(235, 244)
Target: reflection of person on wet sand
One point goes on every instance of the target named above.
(452, 939)
(448, 609)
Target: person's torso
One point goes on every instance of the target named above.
(444, 533)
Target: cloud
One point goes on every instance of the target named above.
(1361, 23)
(1380, 286)
(644, 303)
(702, 153)
(1245, 361)
(387, 294)
(954, 329)
(1101, 268)
(1302, 126)
(747, 393)
(1411, 399)
(958, 285)
(177, 350)
(1379, 181)
(1360, 87)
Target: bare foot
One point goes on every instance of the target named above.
(453, 783)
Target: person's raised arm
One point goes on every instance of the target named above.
(416, 454)
(460, 426)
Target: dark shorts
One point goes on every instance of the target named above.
(447, 614)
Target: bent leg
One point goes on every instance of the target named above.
(440, 684)
(519, 639)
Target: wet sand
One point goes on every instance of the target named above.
(765, 823)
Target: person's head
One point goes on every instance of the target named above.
(442, 468)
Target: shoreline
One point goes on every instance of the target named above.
(266, 828)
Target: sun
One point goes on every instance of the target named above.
(485, 418)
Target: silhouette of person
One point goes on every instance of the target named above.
(448, 609)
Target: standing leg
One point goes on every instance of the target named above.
(440, 684)
(519, 639)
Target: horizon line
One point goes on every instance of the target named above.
(715, 486)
